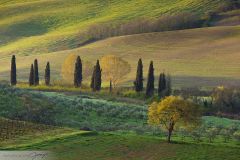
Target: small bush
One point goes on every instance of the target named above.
(236, 135)
(226, 134)
(212, 133)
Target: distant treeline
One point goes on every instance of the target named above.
(179, 21)
(144, 25)
(115, 72)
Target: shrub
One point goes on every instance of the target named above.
(211, 133)
(236, 135)
(226, 100)
(226, 134)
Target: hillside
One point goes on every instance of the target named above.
(206, 53)
(120, 129)
(49, 30)
(40, 26)
(114, 146)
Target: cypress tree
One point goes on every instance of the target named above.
(138, 83)
(162, 85)
(78, 72)
(150, 82)
(110, 86)
(31, 76)
(93, 79)
(168, 86)
(36, 76)
(13, 71)
(97, 77)
(47, 74)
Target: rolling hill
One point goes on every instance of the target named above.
(209, 53)
(40, 26)
(50, 30)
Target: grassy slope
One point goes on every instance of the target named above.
(30, 140)
(74, 144)
(196, 52)
(125, 146)
(207, 52)
(33, 133)
(43, 27)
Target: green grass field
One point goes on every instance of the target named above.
(50, 30)
(128, 146)
(120, 129)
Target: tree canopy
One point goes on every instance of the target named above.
(114, 68)
(173, 111)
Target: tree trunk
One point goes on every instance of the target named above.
(110, 86)
(169, 136)
(170, 130)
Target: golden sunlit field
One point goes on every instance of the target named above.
(206, 52)
(50, 30)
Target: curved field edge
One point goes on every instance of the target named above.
(29, 141)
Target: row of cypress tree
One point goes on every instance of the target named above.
(33, 76)
(164, 84)
(96, 80)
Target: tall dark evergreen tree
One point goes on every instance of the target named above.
(78, 72)
(13, 71)
(138, 83)
(36, 75)
(168, 85)
(98, 77)
(162, 85)
(47, 74)
(110, 86)
(150, 81)
(31, 76)
(93, 78)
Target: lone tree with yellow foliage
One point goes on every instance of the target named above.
(114, 69)
(173, 111)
